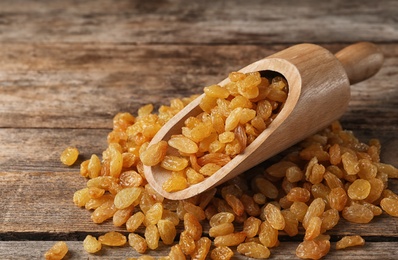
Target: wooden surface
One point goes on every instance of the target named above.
(67, 67)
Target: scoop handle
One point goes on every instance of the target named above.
(360, 61)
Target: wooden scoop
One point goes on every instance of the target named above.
(319, 92)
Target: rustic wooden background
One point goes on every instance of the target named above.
(67, 67)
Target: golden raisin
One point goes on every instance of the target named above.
(57, 251)
(138, 243)
(253, 250)
(313, 249)
(390, 206)
(113, 238)
(232, 239)
(221, 253)
(274, 216)
(69, 156)
(154, 154)
(359, 189)
(167, 231)
(91, 244)
(348, 241)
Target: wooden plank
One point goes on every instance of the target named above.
(42, 203)
(84, 86)
(201, 22)
(38, 150)
(35, 249)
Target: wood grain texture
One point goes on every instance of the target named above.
(18, 250)
(41, 204)
(84, 86)
(38, 150)
(207, 22)
(67, 67)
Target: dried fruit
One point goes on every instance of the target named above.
(131, 179)
(174, 163)
(192, 226)
(154, 214)
(113, 238)
(266, 187)
(251, 226)
(329, 218)
(103, 212)
(253, 250)
(81, 197)
(127, 197)
(69, 156)
(209, 169)
(390, 206)
(222, 217)
(221, 253)
(315, 209)
(152, 236)
(57, 251)
(202, 248)
(349, 241)
(154, 154)
(332, 172)
(91, 244)
(274, 216)
(294, 174)
(115, 160)
(232, 239)
(298, 194)
(313, 249)
(187, 243)
(121, 216)
(313, 229)
(233, 116)
(94, 166)
(359, 189)
(221, 230)
(357, 213)
(216, 91)
(268, 235)
(291, 222)
(176, 253)
(167, 231)
(135, 221)
(377, 188)
(175, 183)
(197, 211)
(299, 209)
(337, 198)
(236, 204)
(350, 163)
(138, 243)
(183, 144)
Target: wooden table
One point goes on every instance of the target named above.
(67, 67)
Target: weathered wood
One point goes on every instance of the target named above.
(67, 67)
(21, 250)
(42, 202)
(38, 150)
(207, 22)
(84, 86)
(16, 250)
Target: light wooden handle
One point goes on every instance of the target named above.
(360, 61)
